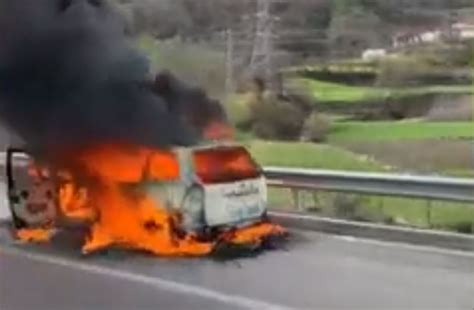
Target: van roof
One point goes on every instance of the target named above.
(215, 145)
(202, 146)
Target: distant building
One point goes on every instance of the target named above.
(459, 31)
(463, 31)
(402, 39)
(374, 54)
(431, 36)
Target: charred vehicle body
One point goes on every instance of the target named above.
(217, 187)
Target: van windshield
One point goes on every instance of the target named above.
(225, 165)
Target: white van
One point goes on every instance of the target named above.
(219, 186)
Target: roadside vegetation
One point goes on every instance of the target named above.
(388, 210)
(329, 92)
(435, 139)
(393, 211)
(400, 130)
(416, 213)
(310, 155)
(413, 113)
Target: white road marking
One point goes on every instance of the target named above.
(158, 283)
(412, 247)
(347, 238)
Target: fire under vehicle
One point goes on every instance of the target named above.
(217, 188)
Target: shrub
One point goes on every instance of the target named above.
(402, 71)
(389, 220)
(454, 110)
(316, 127)
(239, 110)
(464, 227)
(427, 64)
(457, 55)
(276, 119)
(345, 205)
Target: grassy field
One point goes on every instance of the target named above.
(412, 212)
(451, 157)
(327, 92)
(333, 92)
(309, 155)
(401, 211)
(402, 130)
(349, 65)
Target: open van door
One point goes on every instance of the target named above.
(30, 192)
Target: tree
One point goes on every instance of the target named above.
(354, 28)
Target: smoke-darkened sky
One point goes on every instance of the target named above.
(69, 76)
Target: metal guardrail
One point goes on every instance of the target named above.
(385, 184)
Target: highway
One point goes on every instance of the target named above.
(315, 271)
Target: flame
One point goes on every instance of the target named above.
(74, 203)
(37, 171)
(234, 164)
(126, 216)
(121, 213)
(253, 234)
(129, 164)
(38, 235)
(218, 131)
(136, 222)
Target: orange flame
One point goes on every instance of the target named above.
(253, 234)
(218, 131)
(126, 216)
(74, 203)
(234, 163)
(38, 235)
(136, 222)
(122, 214)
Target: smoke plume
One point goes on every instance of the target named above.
(70, 76)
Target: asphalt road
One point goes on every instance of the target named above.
(315, 272)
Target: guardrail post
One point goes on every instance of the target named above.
(472, 222)
(428, 213)
(297, 199)
(381, 208)
(314, 194)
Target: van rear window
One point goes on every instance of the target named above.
(225, 165)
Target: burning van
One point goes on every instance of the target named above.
(198, 196)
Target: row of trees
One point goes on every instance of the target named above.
(308, 26)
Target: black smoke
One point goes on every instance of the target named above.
(70, 76)
(191, 103)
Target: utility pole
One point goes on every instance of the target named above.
(452, 19)
(229, 81)
(261, 60)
